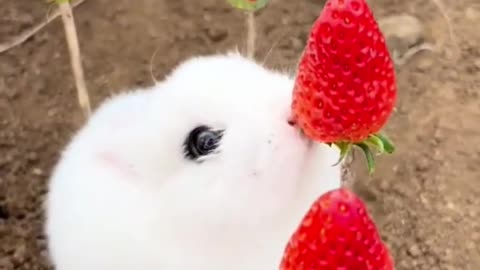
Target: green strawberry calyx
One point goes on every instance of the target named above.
(378, 141)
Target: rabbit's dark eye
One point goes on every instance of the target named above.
(201, 141)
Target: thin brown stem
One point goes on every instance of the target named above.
(75, 57)
(251, 34)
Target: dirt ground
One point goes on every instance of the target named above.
(424, 197)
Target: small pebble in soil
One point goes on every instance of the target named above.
(217, 34)
(425, 63)
(414, 251)
(472, 13)
(296, 43)
(37, 172)
(422, 164)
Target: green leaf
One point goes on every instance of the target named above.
(249, 5)
(344, 150)
(61, 1)
(369, 156)
(387, 144)
(377, 142)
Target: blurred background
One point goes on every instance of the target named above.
(425, 197)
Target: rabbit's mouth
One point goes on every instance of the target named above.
(293, 123)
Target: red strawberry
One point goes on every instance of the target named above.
(345, 89)
(337, 234)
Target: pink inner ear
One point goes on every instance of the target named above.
(117, 164)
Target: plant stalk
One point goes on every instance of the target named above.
(75, 56)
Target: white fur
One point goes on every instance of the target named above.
(124, 197)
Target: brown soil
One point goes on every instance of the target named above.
(424, 197)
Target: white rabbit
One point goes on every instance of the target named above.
(201, 171)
